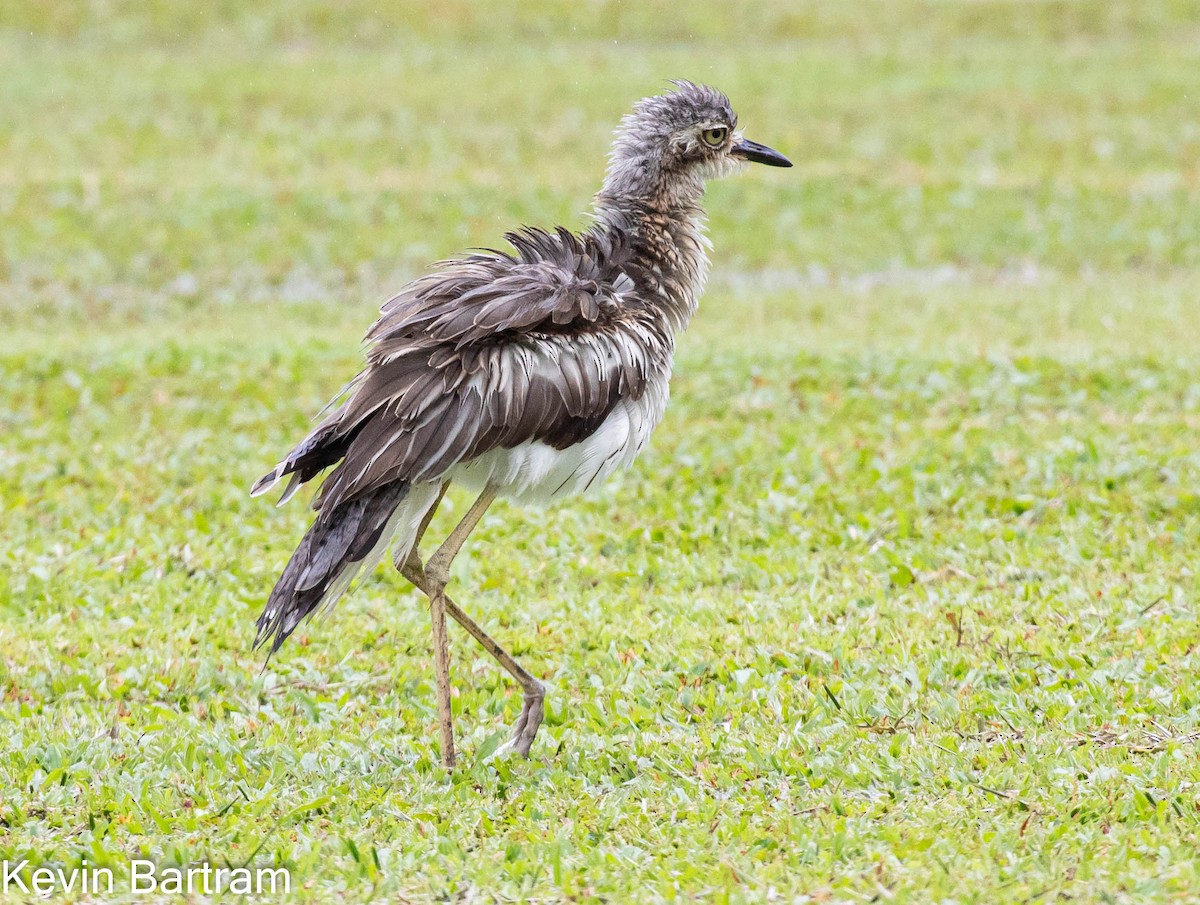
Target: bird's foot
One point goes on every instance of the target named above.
(530, 719)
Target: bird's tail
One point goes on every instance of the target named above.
(338, 544)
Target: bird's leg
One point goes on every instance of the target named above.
(437, 568)
(535, 693)
(441, 672)
(532, 709)
(436, 573)
(410, 568)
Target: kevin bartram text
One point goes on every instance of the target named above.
(142, 878)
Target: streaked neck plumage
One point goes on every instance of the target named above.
(660, 210)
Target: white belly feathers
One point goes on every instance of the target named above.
(538, 473)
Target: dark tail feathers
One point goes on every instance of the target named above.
(331, 553)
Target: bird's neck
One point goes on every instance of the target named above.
(670, 249)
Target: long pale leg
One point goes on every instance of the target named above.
(441, 672)
(532, 710)
(437, 569)
(437, 573)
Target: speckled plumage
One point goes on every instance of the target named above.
(536, 371)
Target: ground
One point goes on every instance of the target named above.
(901, 604)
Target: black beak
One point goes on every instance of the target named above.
(756, 153)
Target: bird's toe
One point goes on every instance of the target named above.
(527, 724)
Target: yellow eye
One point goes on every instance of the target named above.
(714, 137)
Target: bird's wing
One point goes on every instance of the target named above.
(491, 351)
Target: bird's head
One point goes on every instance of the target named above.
(672, 143)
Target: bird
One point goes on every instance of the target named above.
(530, 374)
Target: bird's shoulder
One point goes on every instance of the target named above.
(550, 283)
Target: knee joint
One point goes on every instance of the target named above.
(436, 575)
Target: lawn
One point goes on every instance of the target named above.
(900, 605)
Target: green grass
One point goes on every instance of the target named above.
(900, 604)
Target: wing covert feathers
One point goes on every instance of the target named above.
(489, 351)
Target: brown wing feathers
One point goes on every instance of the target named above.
(548, 337)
